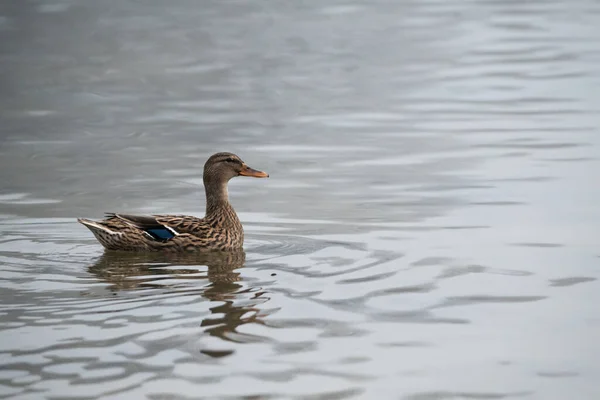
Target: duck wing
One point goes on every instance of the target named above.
(165, 227)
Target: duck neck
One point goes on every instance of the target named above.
(218, 208)
(217, 196)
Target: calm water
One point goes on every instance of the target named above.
(430, 229)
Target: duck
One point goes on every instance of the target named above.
(219, 230)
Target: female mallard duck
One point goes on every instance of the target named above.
(220, 229)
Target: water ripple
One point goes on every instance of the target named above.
(429, 229)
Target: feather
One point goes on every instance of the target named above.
(160, 234)
(148, 224)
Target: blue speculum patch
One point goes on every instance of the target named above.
(160, 233)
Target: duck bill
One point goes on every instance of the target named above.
(247, 171)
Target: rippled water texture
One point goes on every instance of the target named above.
(430, 230)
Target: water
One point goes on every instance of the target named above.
(429, 231)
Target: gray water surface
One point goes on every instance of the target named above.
(429, 230)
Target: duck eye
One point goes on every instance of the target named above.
(231, 160)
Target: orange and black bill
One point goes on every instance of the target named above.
(247, 171)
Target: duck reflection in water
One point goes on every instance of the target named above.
(142, 271)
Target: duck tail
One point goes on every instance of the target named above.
(107, 237)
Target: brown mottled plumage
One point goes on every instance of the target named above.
(220, 229)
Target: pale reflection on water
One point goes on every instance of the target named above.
(429, 229)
